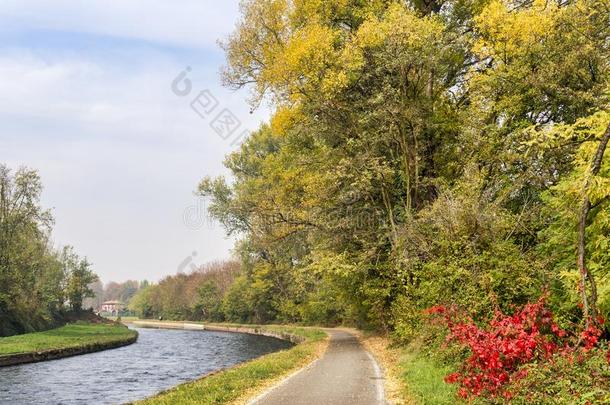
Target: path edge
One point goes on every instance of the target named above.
(269, 390)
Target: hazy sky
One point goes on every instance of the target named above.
(86, 99)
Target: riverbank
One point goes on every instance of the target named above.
(275, 331)
(409, 376)
(236, 385)
(69, 340)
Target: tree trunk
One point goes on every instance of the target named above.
(589, 307)
(582, 269)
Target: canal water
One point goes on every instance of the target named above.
(160, 359)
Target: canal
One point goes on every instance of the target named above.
(160, 359)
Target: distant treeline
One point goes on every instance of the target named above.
(207, 293)
(38, 283)
(113, 291)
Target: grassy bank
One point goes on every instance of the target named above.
(71, 336)
(423, 379)
(410, 376)
(237, 384)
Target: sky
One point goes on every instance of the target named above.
(119, 106)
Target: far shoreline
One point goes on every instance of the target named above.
(259, 330)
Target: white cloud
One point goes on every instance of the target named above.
(188, 23)
(118, 152)
(136, 100)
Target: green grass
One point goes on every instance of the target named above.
(72, 335)
(424, 379)
(244, 379)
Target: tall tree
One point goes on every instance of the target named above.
(402, 135)
(79, 278)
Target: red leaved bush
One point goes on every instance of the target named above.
(498, 351)
(509, 342)
(590, 336)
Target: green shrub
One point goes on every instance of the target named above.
(582, 378)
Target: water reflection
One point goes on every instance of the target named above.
(159, 360)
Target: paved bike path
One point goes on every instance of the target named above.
(346, 374)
